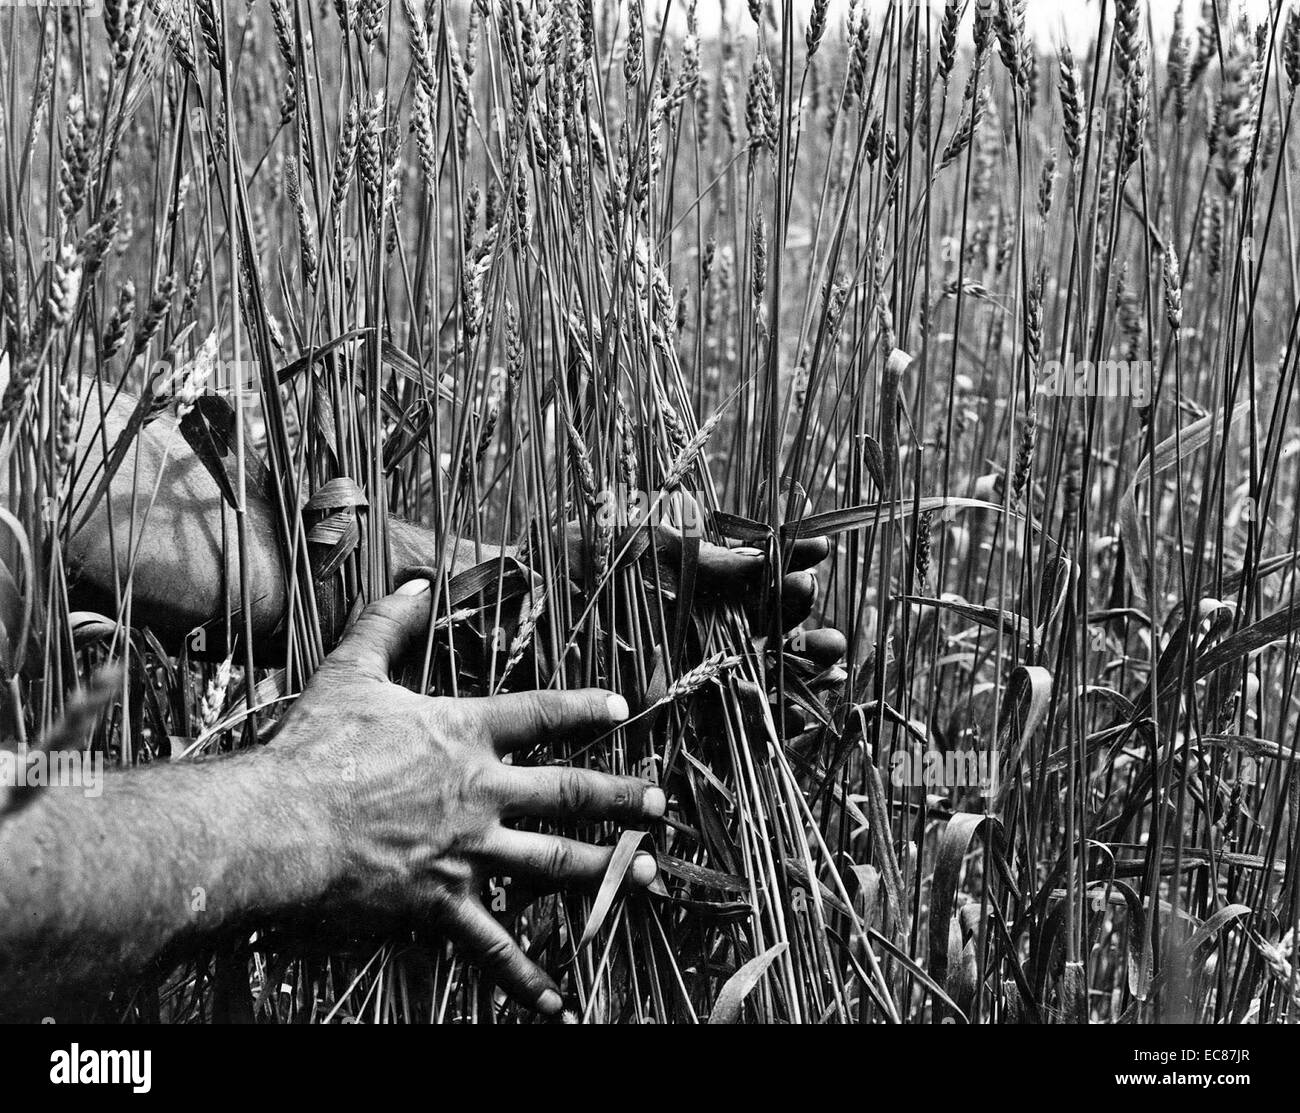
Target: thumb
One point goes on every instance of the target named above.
(386, 629)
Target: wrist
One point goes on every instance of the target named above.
(296, 811)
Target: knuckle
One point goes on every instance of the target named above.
(622, 793)
(575, 792)
(436, 903)
(382, 611)
(341, 662)
(558, 862)
(594, 708)
(455, 723)
(380, 627)
(440, 714)
(546, 713)
(499, 952)
(475, 783)
(434, 900)
(474, 847)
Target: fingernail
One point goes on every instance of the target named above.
(413, 587)
(644, 869)
(654, 803)
(615, 707)
(550, 1003)
(748, 551)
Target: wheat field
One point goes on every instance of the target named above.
(1012, 324)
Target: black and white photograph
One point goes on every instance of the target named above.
(610, 513)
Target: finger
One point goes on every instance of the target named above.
(798, 597)
(729, 572)
(385, 630)
(561, 863)
(823, 647)
(721, 570)
(490, 947)
(733, 572)
(806, 552)
(562, 793)
(802, 552)
(526, 718)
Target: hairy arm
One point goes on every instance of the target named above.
(92, 887)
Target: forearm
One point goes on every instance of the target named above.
(162, 539)
(93, 888)
(411, 546)
(178, 551)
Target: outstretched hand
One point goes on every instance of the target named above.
(419, 797)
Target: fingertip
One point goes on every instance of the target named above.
(808, 551)
(823, 647)
(550, 1002)
(417, 586)
(801, 587)
(644, 869)
(654, 803)
(615, 707)
(798, 597)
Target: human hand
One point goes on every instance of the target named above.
(419, 815)
(746, 576)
